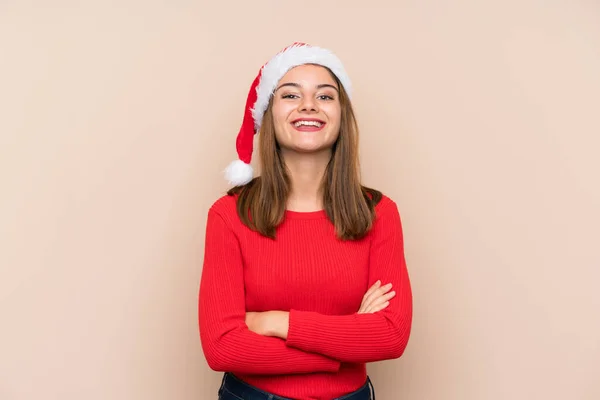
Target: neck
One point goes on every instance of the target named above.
(306, 174)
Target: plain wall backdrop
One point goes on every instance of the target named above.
(480, 118)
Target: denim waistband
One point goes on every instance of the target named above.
(242, 390)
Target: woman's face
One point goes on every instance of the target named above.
(306, 110)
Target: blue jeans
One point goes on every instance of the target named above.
(233, 388)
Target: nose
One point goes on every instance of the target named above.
(308, 104)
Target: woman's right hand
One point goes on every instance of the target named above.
(376, 299)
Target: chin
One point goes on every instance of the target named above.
(312, 144)
(306, 149)
(307, 144)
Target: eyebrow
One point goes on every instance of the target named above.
(320, 86)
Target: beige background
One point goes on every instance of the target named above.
(480, 118)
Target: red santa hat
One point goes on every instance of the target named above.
(240, 172)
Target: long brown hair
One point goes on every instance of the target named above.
(349, 205)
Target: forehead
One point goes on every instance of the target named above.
(308, 73)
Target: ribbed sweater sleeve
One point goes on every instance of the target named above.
(364, 338)
(227, 342)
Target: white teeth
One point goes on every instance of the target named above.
(308, 123)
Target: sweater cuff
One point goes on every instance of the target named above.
(303, 331)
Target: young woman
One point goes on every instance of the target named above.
(304, 278)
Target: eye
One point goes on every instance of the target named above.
(325, 97)
(289, 96)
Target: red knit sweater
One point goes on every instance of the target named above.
(321, 281)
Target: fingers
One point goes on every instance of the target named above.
(377, 308)
(380, 302)
(375, 297)
(375, 286)
(378, 292)
(369, 292)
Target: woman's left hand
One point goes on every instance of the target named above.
(269, 323)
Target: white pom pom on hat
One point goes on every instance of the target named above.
(240, 172)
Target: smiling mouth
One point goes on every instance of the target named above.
(308, 123)
(308, 126)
